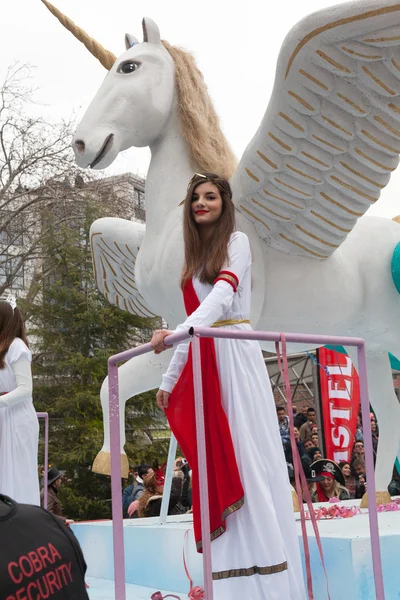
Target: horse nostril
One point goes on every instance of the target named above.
(80, 146)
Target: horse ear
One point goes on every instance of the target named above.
(151, 33)
(130, 40)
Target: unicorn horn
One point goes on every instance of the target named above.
(106, 58)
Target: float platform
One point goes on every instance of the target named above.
(153, 557)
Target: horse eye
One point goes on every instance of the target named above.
(128, 67)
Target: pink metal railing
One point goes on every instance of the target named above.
(45, 416)
(115, 442)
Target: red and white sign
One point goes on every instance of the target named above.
(340, 402)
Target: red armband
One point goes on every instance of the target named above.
(228, 277)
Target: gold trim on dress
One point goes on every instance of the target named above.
(232, 508)
(220, 530)
(231, 322)
(250, 571)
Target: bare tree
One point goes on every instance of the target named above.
(35, 156)
(41, 187)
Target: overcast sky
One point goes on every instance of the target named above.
(236, 45)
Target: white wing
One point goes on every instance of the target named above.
(330, 137)
(115, 244)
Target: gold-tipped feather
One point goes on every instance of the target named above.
(106, 57)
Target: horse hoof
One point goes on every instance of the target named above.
(102, 464)
(295, 500)
(380, 498)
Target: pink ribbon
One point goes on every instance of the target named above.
(345, 512)
(300, 478)
(390, 507)
(196, 593)
(335, 512)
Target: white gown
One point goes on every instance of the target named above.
(258, 557)
(19, 432)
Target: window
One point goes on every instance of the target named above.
(7, 266)
(139, 199)
(13, 235)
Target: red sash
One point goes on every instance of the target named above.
(225, 491)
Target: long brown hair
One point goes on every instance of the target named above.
(11, 326)
(206, 262)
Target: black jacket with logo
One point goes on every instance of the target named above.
(39, 556)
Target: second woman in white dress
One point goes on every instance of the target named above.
(19, 426)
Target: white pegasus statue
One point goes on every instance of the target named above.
(324, 151)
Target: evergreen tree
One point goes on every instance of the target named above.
(73, 330)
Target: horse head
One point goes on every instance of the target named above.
(151, 82)
(133, 104)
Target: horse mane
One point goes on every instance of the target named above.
(208, 147)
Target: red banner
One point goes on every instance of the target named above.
(340, 403)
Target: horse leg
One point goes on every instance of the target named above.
(387, 409)
(137, 375)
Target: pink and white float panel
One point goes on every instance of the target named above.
(153, 557)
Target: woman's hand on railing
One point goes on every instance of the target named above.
(162, 399)
(157, 341)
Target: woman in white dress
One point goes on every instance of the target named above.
(19, 426)
(255, 549)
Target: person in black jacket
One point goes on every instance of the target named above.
(39, 557)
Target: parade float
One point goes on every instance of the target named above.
(323, 153)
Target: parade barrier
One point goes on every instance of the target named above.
(195, 334)
(45, 416)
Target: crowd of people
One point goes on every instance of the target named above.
(345, 481)
(143, 497)
(326, 479)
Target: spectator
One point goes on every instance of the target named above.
(300, 447)
(394, 485)
(283, 422)
(150, 500)
(308, 443)
(359, 430)
(185, 503)
(54, 480)
(361, 479)
(311, 455)
(312, 480)
(301, 418)
(315, 439)
(306, 429)
(314, 454)
(375, 436)
(349, 479)
(359, 451)
(127, 492)
(144, 471)
(299, 443)
(333, 482)
(39, 553)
